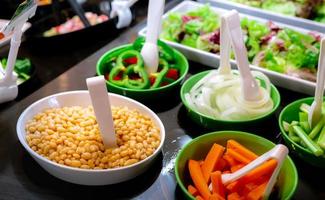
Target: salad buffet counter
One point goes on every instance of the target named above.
(21, 177)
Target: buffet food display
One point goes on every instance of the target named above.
(75, 24)
(309, 9)
(62, 134)
(269, 45)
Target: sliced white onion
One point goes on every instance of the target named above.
(220, 97)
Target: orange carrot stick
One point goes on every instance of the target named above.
(233, 187)
(257, 193)
(230, 160)
(236, 167)
(198, 197)
(232, 144)
(237, 156)
(248, 187)
(211, 160)
(198, 179)
(221, 165)
(192, 190)
(234, 196)
(215, 196)
(264, 169)
(217, 185)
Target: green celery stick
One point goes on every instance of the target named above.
(317, 129)
(311, 145)
(303, 144)
(303, 117)
(294, 138)
(294, 123)
(285, 126)
(291, 131)
(305, 126)
(305, 108)
(321, 139)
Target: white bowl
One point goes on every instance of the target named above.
(86, 176)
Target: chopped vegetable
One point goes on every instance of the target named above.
(321, 139)
(220, 97)
(211, 160)
(237, 156)
(250, 186)
(309, 9)
(23, 69)
(232, 144)
(315, 149)
(192, 190)
(269, 46)
(217, 185)
(257, 193)
(316, 129)
(198, 179)
(75, 24)
(128, 70)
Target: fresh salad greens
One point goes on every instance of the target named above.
(269, 46)
(309, 9)
(23, 69)
(301, 133)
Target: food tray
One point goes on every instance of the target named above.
(295, 21)
(7, 39)
(212, 60)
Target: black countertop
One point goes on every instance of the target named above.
(22, 178)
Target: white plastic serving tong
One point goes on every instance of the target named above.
(121, 9)
(102, 109)
(225, 49)
(8, 84)
(315, 111)
(249, 86)
(279, 153)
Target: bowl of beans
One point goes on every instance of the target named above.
(61, 133)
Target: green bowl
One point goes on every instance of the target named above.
(214, 124)
(289, 114)
(145, 94)
(199, 147)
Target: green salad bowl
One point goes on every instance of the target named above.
(198, 148)
(144, 95)
(289, 114)
(215, 124)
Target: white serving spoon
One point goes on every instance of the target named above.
(150, 52)
(224, 65)
(102, 108)
(315, 111)
(279, 153)
(249, 86)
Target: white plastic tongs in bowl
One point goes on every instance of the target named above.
(231, 30)
(279, 153)
(121, 9)
(8, 85)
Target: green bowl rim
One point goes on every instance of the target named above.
(142, 90)
(275, 107)
(181, 185)
(283, 132)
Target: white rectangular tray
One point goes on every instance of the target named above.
(245, 9)
(212, 60)
(7, 39)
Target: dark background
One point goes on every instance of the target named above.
(64, 67)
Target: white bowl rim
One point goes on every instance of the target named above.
(20, 130)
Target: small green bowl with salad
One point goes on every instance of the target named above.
(307, 143)
(209, 118)
(124, 71)
(198, 148)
